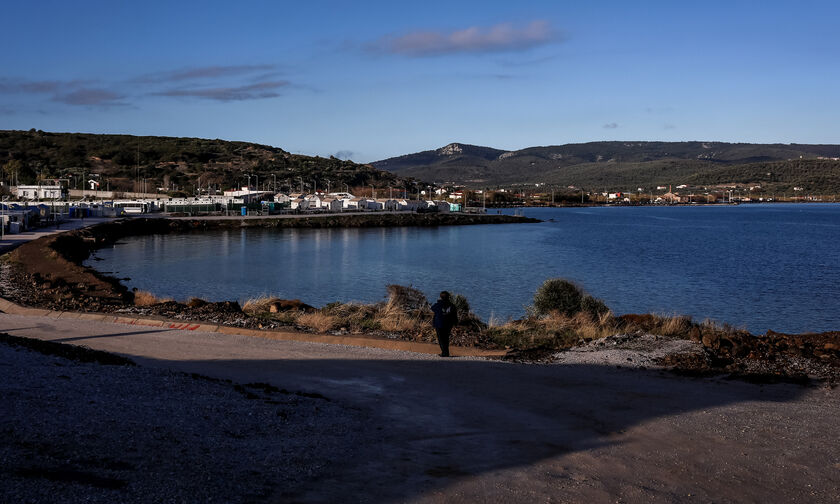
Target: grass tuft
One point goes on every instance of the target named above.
(318, 320)
(144, 298)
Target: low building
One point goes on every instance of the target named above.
(332, 204)
(33, 192)
(375, 204)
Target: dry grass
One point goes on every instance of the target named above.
(319, 321)
(673, 325)
(585, 325)
(556, 330)
(143, 298)
(259, 304)
(394, 319)
(196, 302)
(355, 317)
(680, 326)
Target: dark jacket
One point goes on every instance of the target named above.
(446, 315)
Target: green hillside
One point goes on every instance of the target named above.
(629, 165)
(121, 162)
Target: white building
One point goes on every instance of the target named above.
(31, 192)
(248, 195)
(332, 204)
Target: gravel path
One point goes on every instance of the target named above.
(399, 427)
(86, 432)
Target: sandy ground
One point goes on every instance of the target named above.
(450, 430)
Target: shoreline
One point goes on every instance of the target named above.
(48, 273)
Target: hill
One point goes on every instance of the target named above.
(628, 165)
(122, 162)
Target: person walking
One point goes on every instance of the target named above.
(446, 316)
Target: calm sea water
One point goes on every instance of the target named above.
(755, 266)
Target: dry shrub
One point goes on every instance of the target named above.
(673, 325)
(406, 298)
(398, 323)
(583, 324)
(394, 319)
(319, 321)
(354, 316)
(196, 302)
(143, 298)
(258, 305)
(265, 304)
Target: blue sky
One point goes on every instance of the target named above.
(370, 80)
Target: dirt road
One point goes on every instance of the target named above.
(473, 430)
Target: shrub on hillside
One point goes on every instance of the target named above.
(462, 305)
(406, 298)
(594, 306)
(557, 294)
(566, 298)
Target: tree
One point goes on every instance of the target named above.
(11, 169)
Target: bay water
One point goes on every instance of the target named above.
(773, 266)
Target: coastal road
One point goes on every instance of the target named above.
(12, 241)
(466, 430)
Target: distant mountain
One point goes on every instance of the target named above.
(121, 161)
(625, 165)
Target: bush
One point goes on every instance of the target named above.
(462, 305)
(594, 306)
(566, 298)
(557, 294)
(406, 298)
(143, 298)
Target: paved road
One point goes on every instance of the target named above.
(471, 430)
(11, 241)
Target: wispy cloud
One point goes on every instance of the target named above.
(497, 38)
(13, 86)
(90, 97)
(73, 92)
(530, 61)
(669, 126)
(205, 72)
(611, 125)
(257, 91)
(219, 83)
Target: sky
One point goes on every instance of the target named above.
(370, 80)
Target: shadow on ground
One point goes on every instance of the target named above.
(432, 424)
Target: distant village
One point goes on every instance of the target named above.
(29, 206)
(37, 205)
